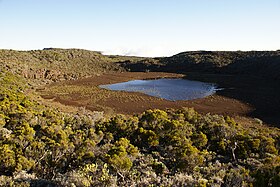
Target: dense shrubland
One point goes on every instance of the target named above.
(53, 64)
(58, 64)
(40, 146)
(257, 63)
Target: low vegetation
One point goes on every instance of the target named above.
(256, 63)
(52, 65)
(40, 146)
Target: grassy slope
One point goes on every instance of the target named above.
(59, 64)
(41, 146)
(76, 63)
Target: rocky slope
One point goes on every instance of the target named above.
(58, 64)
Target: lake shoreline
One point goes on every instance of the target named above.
(85, 93)
(165, 88)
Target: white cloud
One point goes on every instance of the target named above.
(144, 51)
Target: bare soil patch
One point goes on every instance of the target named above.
(85, 92)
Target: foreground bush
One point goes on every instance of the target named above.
(40, 146)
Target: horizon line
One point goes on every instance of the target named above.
(128, 55)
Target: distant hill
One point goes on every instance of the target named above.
(58, 64)
(53, 64)
(265, 63)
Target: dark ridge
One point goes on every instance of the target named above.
(260, 63)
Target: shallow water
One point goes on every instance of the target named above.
(169, 89)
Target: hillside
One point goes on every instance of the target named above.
(260, 63)
(58, 64)
(252, 74)
(41, 145)
(66, 64)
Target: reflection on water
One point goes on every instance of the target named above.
(169, 89)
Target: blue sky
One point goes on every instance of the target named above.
(142, 27)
